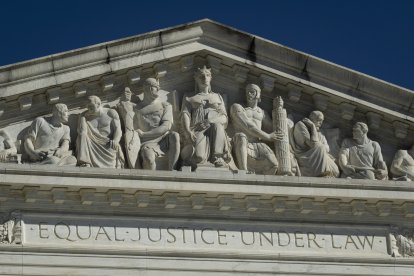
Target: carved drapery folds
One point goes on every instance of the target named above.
(402, 243)
(10, 230)
(141, 133)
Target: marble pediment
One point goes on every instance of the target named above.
(29, 89)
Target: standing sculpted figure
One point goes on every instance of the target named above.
(361, 158)
(311, 148)
(402, 167)
(252, 154)
(204, 120)
(152, 122)
(99, 133)
(47, 140)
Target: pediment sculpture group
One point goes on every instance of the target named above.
(140, 135)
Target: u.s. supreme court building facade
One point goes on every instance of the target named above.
(199, 153)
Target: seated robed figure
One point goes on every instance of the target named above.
(361, 158)
(311, 148)
(204, 121)
(47, 140)
(252, 154)
(152, 122)
(99, 133)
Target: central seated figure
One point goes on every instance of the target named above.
(204, 120)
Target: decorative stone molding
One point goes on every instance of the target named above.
(305, 205)
(59, 195)
(25, 102)
(279, 204)
(384, 208)
(332, 206)
(198, 201)
(374, 120)
(53, 95)
(115, 197)
(294, 92)
(143, 198)
(408, 208)
(225, 202)
(170, 200)
(186, 63)
(107, 83)
(252, 203)
(2, 107)
(268, 82)
(240, 73)
(358, 207)
(214, 63)
(160, 69)
(134, 76)
(400, 129)
(80, 89)
(347, 111)
(320, 101)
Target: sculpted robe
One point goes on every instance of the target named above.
(93, 143)
(313, 160)
(365, 158)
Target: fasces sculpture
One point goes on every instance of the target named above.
(311, 148)
(402, 167)
(9, 149)
(99, 134)
(152, 122)
(47, 140)
(361, 158)
(204, 120)
(252, 154)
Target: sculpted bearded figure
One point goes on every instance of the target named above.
(252, 154)
(47, 140)
(402, 167)
(99, 133)
(152, 123)
(204, 120)
(361, 158)
(311, 148)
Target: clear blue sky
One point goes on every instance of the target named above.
(373, 37)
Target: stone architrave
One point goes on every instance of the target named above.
(204, 120)
(311, 148)
(402, 166)
(47, 140)
(99, 134)
(361, 158)
(9, 150)
(252, 154)
(152, 123)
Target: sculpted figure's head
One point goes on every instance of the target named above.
(203, 78)
(359, 131)
(127, 94)
(94, 104)
(317, 118)
(252, 92)
(151, 88)
(60, 111)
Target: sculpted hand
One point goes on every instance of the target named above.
(349, 169)
(190, 135)
(276, 136)
(114, 144)
(380, 174)
(308, 122)
(140, 133)
(202, 125)
(58, 153)
(39, 155)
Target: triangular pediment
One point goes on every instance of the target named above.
(306, 83)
